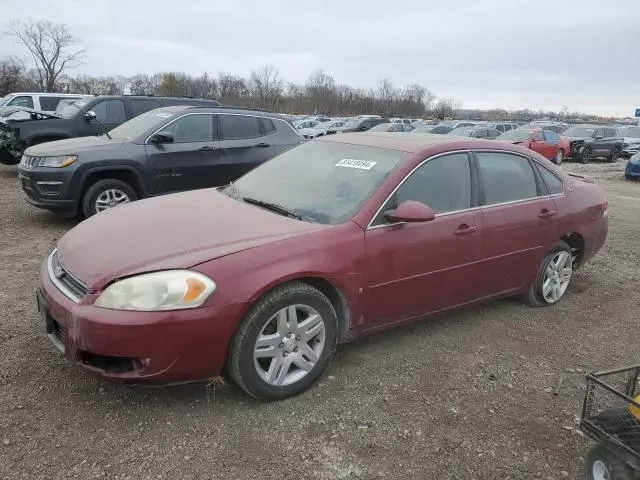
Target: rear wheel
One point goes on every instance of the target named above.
(615, 154)
(554, 276)
(604, 465)
(559, 157)
(106, 194)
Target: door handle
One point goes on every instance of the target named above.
(546, 213)
(206, 149)
(262, 145)
(465, 229)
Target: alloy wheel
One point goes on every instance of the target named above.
(600, 471)
(110, 198)
(557, 277)
(559, 157)
(289, 345)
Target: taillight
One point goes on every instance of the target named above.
(605, 208)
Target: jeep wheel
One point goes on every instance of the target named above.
(586, 155)
(106, 194)
(615, 154)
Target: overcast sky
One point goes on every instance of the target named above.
(536, 54)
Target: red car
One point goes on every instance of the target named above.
(545, 142)
(329, 241)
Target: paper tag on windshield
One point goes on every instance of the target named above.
(351, 163)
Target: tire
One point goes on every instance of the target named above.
(604, 465)
(558, 157)
(537, 296)
(252, 374)
(615, 154)
(101, 188)
(586, 155)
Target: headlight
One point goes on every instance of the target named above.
(57, 161)
(150, 292)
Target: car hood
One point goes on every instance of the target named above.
(576, 138)
(72, 146)
(631, 139)
(171, 231)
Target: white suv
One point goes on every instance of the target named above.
(43, 102)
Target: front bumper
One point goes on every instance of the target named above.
(48, 189)
(138, 347)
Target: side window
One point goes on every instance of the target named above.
(109, 111)
(610, 133)
(191, 128)
(138, 107)
(506, 177)
(49, 104)
(553, 183)
(22, 101)
(500, 127)
(550, 137)
(538, 137)
(267, 126)
(237, 127)
(443, 183)
(599, 132)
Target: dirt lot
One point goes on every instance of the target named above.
(466, 396)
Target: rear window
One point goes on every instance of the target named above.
(49, 104)
(553, 183)
(267, 126)
(237, 127)
(141, 106)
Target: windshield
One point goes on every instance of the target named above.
(517, 134)
(324, 181)
(353, 123)
(632, 132)
(72, 109)
(462, 132)
(579, 132)
(142, 124)
(423, 129)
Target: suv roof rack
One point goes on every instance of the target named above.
(231, 107)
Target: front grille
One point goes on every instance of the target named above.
(28, 162)
(65, 281)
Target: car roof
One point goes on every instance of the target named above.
(410, 143)
(231, 110)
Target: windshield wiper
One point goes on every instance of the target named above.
(273, 207)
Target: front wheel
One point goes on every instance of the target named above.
(106, 194)
(284, 343)
(559, 157)
(615, 154)
(554, 276)
(586, 155)
(604, 465)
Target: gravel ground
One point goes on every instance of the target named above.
(470, 395)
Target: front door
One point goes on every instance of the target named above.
(414, 269)
(540, 145)
(110, 113)
(519, 221)
(244, 144)
(190, 161)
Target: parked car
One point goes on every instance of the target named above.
(342, 236)
(358, 124)
(110, 111)
(545, 142)
(392, 127)
(304, 124)
(435, 129)
(557, 127)
(320, 129)
(407, 121)
(457, 123)
(630, 141)
(478, 131)
(632, 170)
(42, 102)
(501, 126)
(165, 150)
(591, 141)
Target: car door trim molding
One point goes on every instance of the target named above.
(479, 207)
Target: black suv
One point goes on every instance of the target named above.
(589, 141)
(72, 122)
(161, 151)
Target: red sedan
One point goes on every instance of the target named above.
(545, 142)
(329, 241)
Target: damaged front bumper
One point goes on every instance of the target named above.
(10, 149)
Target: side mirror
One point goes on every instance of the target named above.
(90, 116)
(161, 137)
(410, 212)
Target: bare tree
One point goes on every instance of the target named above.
(266, 86)
(52, 47)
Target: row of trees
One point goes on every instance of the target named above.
(55, 51)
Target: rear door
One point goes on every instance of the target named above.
(599, 145)
(190, 161)
(414, 269)
(244, 144)
(519, 221)
(553, 143)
